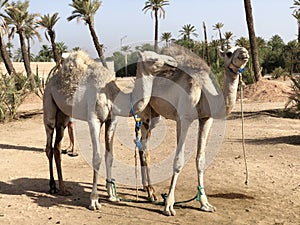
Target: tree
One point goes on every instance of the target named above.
(30, 33)
(48, 22)
(156, 7)
(4, 53)
(188, 30)
(206, 45)
(166, 36)
(45, 54)
(85, 10)
(228, 36)
(252, 39)
(296, 14)
(61, 48)
(21, 20)
(218, 27)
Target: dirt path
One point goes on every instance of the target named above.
(271, 197)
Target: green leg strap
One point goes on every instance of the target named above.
(200, 192)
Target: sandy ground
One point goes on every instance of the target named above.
(271, 197)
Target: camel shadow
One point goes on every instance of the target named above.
(21, 147)
(37, 189)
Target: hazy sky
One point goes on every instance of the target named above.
(118, 18)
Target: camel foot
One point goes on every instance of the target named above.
(53, 190)
(169, 211)
(95, 205)
(207, 208)
(152, 198)
(65, 193)
(113, 199)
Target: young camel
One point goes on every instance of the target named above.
(85, 90)
(199, 100)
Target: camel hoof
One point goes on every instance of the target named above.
(152, 198)
(208, 208)
(170, 212)
(95, 205)
(113, 199)
(65, 193)
(53, 191)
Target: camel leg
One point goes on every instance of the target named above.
(49, 153)
(110, 128)
(61, 123)
(94, 127)
(145, 161)
(182, 128)
(204, 128)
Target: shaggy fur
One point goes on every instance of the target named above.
(79, 68)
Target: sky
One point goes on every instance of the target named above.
(119, 18)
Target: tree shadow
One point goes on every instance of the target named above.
(290, 140)
(20, 147)
(278, 113)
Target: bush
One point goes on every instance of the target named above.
(13, 90)
(294, 99)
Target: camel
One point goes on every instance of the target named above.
(85, 90)
(197, 99)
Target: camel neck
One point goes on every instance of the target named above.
(230, 86)
(121, 102)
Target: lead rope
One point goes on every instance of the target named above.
(138, 143)
(242, 84)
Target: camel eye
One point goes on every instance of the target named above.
(228, 54)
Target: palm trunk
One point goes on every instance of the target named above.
(221, 40)
(252, 39)
(28, 49)
(98, 46)
(206, 45)
(56, 56)
(156, 31)
(5, 56)
(299, 32)
(26, 61)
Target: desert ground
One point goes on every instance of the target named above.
(272, 195)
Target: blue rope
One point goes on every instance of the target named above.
(138, 124)
(241, 70)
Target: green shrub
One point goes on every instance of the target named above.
(13, 90)
(294, 99)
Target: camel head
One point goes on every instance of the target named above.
(150, 64)
(235, 59)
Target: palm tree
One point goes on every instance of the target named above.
(252, 39)
(156, 7)
(166, 36)
(45, 54)
(296, 14)
(21, 20)
(61, 47)
(48, 22)
(243, 42)
(30, 34)
(85, 10)
(228, 36)
(206, 52)
(4, 53)
(188, 30)
(218, 27)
